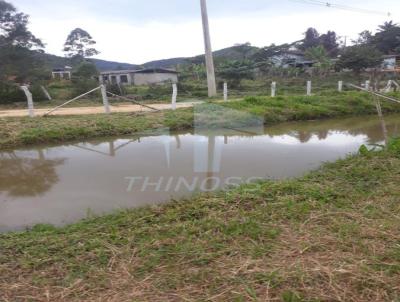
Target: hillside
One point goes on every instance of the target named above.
(166, 63)
(103, 65)
(237, 52)
(52, 61)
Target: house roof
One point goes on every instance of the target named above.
(146, 70)
(391, 56)
(118, 71)
(156, 70)
(61, 70)
(293, 52)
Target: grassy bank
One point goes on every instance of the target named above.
(16, 132)
(332, 235)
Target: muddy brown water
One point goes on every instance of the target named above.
(63, 184)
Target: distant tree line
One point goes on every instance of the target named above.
(21, 54)
(327, 51)
(328, 41)
(18, 45)
(369, 48)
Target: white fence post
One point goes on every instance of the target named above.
(105, 98)
(309, 87)
(174, 95)
(396, 84)
(367, 84)
(273, 89)
(28, 94)
(225, 91)
(46, 93)
(388, 87)
(340, 86)
(390, 84)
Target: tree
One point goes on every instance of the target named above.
(86, 70)
(84, 77)
(79, 44)
(18, 46)
(14, 28)
(330, 42)
(320, 55)
(360, 57)
(387, 26)
(387, 39)
(199, 70)
(266, 53)
(235, 71)
(364, 38)
(20, 64)
(312, 39)
(245, 50)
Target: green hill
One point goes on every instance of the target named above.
(237, 52)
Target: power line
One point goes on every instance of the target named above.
(343, 7)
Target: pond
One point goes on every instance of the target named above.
(62, 184)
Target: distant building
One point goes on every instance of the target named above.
(62, 73)
(391, 63)
(139, 77)
(291, 58)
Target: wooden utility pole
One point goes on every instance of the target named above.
(212, 87)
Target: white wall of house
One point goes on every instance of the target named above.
(154, 78)
(115, 78)
(283, 59)
(138, 79)
(389, 63)
(61, 75)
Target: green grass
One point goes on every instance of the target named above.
(26, 131)
(315, 107)
(16, 132)
(332, 235)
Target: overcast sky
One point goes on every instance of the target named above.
(137, 31)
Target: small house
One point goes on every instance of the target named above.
(62, 73)
(141, 77)
(391, 63)
(291, 58)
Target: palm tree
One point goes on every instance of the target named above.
(320, 55)
(387, 26)
(387, 38)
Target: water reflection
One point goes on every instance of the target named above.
(60, 184)
(370, 126)
(27, 177)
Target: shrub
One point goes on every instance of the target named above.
(60, 84)
(81, 85)
(37, 93)
(394, 146)
(11, 93)
(116, 89)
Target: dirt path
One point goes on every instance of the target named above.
(93, 110)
